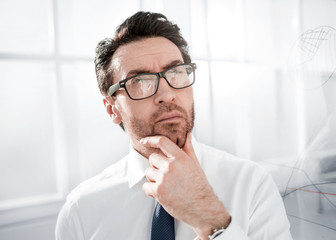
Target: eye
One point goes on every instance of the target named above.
(179, 70)
(136, 81)
(140, 82)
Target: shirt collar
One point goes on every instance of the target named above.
(137, 164)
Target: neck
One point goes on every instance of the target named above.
(144, 151)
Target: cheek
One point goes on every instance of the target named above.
(142, 112)
(136, 110)
(188, 98)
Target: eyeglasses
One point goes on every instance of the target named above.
(145, 85)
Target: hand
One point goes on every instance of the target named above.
(177, 181)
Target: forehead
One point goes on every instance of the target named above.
(150, 54)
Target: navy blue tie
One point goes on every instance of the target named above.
(162, 224)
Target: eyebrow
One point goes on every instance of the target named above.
(139, 71)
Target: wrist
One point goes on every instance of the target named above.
(212, 215)
(218, 225)
(216, 233)
(213, 236)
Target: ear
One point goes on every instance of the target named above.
(112, 110)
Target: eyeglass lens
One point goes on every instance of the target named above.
(145, 85)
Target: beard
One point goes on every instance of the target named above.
(176, 131)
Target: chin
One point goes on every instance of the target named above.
(178, 138)
(177, 133)
(181, 141)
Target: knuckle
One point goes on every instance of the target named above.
(154, 191)
(147, 171)
(160, 191)
(150, 159)
(160, 140)
(170, 166)
(153, 161)
(164, 166)
(145, 187)
(159, 177)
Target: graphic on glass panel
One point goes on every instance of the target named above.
(309, 186)
(313, 57)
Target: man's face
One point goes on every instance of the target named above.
(170, 112)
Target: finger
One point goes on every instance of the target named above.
(152, 175)
(149, 189)
(161, 142)
(157, 161)
(188, 147)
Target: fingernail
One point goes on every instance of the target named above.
(142, 141)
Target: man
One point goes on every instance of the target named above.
(145, 74)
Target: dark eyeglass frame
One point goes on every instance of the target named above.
(122, 84)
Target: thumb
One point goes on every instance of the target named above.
(188, 147)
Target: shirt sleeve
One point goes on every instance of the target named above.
(267, 219)
(68, 226)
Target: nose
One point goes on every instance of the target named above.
(165, 93)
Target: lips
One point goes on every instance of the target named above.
(168, 117)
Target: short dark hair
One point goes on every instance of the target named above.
(141, 25)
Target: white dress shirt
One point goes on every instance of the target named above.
(112, 204)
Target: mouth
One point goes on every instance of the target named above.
(169, 117)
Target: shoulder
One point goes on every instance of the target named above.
(87, 195)
(219, 163)
(112, 175)
(211, 155)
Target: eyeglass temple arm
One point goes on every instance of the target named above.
(113, 89)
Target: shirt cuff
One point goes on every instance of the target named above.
(233, 231)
